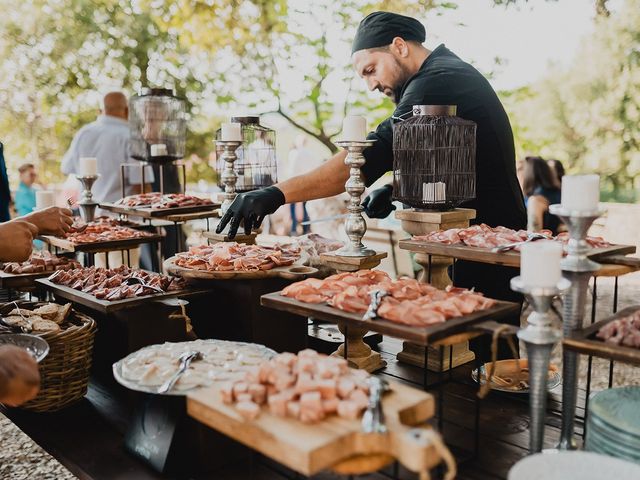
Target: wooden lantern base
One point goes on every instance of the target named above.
(421, 222)
(359, 354)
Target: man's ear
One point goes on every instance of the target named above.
(400, 47)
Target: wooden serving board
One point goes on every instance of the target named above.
(420, 335)
(20, 280)
(108, 306)
(585, 341)
(95, 247)
(296, 271)
(485, 255)
(311, 448)
(146, 212)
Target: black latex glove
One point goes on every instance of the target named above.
(378, 203)
(251, 208)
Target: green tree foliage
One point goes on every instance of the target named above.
(588, 115)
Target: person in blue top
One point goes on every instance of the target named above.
(25, 197)
(541, 189)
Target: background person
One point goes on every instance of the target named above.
(25, 196)
(541, 189)
(107, 139)
(19, 376)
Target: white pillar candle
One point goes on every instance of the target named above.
(88, 166)
(354, 129)
(45, 199)
(580, 193)
(540, 263)
(231, 132)
(158, 150)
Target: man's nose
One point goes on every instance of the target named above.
(373, 84)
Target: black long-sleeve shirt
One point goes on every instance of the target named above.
(444, 79)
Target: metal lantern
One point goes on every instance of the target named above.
(434, 158)
(256, 165)
(157, 119)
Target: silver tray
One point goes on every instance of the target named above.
(117, 368)
(37, 347)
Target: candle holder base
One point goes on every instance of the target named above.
(88, 211)
(539, 337)
(350, 251)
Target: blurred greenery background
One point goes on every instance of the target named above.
(57, 58)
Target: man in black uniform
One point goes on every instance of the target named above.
(388, 54)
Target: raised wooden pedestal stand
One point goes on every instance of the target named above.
(421, 222)
(359, 354)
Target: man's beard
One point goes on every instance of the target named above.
(403, 77)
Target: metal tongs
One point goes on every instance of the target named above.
(139, 281)
(185, 360)
(374, 304)
(373, 418)
(531, 237)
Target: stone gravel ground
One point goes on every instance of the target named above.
(22, 459)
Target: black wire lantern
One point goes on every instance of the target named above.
(256, 164)
(434, 158)
(157, 119)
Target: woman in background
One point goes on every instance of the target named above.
(541, 189)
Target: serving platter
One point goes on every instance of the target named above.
(217, 376)
(104, 246)
(297, 271)
(20, 280)
(109, 306)
(146, 212)
(420, 335)
(485, 255)
(586, 342)
(335, 441)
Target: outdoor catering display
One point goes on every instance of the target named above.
(70, 334)
(231, 260)
(108, 290)
(101, 235)
(403, 308)
(40, 264)
(154, 369)
(312, 412)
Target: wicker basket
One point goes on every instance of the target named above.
(65, 371)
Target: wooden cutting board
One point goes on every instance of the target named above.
(310, 448)
(485, 255)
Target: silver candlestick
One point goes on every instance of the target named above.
(539, 337)
(87, 204)
(229, 176)
(578, 269)
(355, 225)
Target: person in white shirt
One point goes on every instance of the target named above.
(107, 139)
(301, 160)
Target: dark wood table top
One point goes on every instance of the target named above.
(420, 335)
